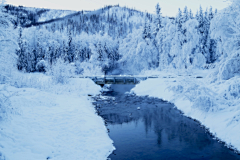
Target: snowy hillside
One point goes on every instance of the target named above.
(53, 14)
(31, 15)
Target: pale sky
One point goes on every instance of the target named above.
(169, 7)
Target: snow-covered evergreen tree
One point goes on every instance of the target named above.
(149, 31)
(203, 31)
(22, 56)
(70, 48)
(145, 30)
(190, 14)
(100, 52)
(179, 20)
(201, 20)
(210, 17)
(39, 48)
(197, 15)
(158, 20)
(185, 15)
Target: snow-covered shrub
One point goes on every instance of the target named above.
(5, 105)
(210, 66)
(204, 103)
(61, 71)
(231, 89)
(79, 69)
(42, 66)
(31, 80)
(229, 68)
(89, 69)
(178, 89)
(234, 90)
(191, 90)
(235, 119)
(200, 96)
(213, 76)
(199, 60)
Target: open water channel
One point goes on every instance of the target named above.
(145, 128)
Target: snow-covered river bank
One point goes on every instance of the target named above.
(57, 123)
(214, 105)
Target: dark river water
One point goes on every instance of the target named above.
(155, 131)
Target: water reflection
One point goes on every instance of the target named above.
(156, 131)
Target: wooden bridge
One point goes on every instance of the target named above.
(115, 79)
(124, 79)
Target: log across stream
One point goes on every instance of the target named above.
(151, 129)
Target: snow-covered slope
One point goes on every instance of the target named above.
(59, 123)
(53, 14)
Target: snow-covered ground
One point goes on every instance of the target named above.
(56, 122)
(214, 103)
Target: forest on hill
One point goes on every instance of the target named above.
(114, 39)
